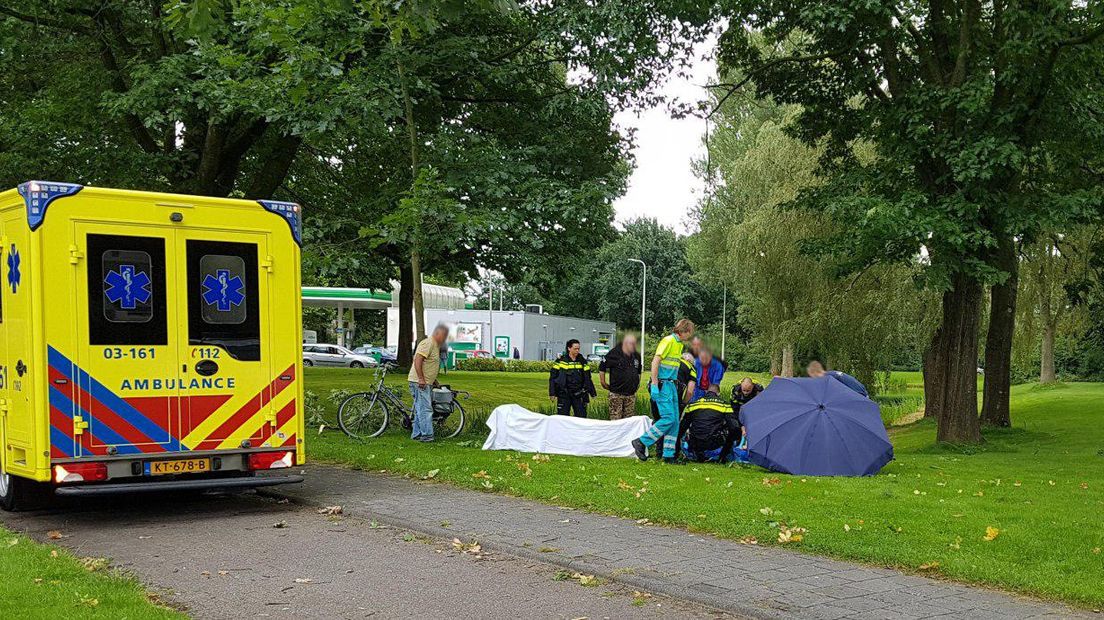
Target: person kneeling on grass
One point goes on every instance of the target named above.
(422, 378)
(711, 428)
(815, 369)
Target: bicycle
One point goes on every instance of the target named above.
(367, 414)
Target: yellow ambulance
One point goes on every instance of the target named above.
(147, 341)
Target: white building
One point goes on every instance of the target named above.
(535, 336)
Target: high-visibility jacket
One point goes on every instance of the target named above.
(707, 422)
(570, 377)
(669, 352)
(686, 373)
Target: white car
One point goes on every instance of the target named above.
(334, 355)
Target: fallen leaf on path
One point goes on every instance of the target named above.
(331, 510)
(480, 474)
(929, 566)
(769, 482)
(991, 533)
(224, 572)
(541, 458)
(525, 469)
(748, 540)
(431, 474)
(549, 549)
(280, 525)
(624, 486)
(304, 580)
(54, 535)
(53, 553)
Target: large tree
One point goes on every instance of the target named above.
(1053, 271)
(609, 286)
(952, 96)
(757, 241)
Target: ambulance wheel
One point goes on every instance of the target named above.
(19, 493)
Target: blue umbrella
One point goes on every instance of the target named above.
(816, 427)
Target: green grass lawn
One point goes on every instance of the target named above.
(40, 581)
(1039, 486)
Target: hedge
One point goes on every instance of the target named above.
(486, 364)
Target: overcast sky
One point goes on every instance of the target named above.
(663, 184)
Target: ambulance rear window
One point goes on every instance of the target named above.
(223, 302)
(126, 285)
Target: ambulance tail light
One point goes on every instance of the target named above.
(271, 460)
(80, 472)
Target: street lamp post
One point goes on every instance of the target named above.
(643, 305)
(724, 317)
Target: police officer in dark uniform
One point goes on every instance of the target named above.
(570, 385)
(707, 428)
(742, 393)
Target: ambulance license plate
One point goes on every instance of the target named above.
(183, 466)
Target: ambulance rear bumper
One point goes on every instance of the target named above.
(176, 485)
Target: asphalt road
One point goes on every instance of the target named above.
(244, 555)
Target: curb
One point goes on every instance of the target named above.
(643, 583)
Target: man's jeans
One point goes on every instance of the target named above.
(423, 411)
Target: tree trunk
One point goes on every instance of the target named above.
(1046, 368)
(933, 378)
(406, 316)
(775, 364)
(415, 255)
(998, 342)
(788, 360)
(954, 361)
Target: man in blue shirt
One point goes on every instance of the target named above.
(816, 369)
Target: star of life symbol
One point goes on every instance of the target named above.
(128, 287)
(14, 274)
(223, 291)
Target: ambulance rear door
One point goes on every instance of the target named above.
(231, 392)
(121, 392)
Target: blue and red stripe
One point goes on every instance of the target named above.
(116, 422)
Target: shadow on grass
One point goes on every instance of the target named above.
(996, 440)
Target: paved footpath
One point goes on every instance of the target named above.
(746, 580)
(221, 557)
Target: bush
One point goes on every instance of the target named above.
(528, 366)
(484, 364)
(481, 364)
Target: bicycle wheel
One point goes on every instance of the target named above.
(363, 415)
(450, 426)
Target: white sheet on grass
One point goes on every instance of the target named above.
(514, 427)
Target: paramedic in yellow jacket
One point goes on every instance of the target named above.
(664, 392)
